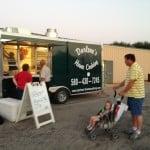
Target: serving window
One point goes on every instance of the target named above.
(15, 56)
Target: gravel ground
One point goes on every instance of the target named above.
(68, 131)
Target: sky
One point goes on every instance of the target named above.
(101, 21)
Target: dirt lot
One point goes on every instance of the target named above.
(68, 131)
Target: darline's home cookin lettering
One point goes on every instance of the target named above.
(86, 50)
(91, 65)
(88, 66)
(80, 66)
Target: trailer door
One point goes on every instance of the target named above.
(59, 65)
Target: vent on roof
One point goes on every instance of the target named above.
(52, 33)
(17, 30)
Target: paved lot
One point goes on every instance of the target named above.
(68, 131)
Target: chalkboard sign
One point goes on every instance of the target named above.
(36, 103)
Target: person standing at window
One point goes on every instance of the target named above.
(45, 73)
(21, 78)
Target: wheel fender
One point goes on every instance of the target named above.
(56, 88)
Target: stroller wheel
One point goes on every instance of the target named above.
(108, 130)
(92, 136)
(115, 136)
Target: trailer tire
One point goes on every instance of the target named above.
(61, 96)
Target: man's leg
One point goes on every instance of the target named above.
(20, 93)
(134, 122)
(130, 103)
(137, 118)
(139, 122)
(48, 84)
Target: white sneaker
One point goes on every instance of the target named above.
(135, 136)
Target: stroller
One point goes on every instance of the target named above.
(109, 119)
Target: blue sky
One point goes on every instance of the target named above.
(102, 21)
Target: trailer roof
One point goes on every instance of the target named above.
(37, 38)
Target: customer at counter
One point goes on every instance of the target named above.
(45, 73)
(21, 78)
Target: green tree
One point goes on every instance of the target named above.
(142, 45)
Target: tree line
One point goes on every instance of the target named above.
(142, 45)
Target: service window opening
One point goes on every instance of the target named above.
(15, 56)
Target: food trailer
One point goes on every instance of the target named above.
(76, 66)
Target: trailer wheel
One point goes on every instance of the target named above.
(61, 96)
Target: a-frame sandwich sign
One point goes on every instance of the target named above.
(35, 103)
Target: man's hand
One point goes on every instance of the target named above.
(119, 85)
(115, 88)
(122, 93)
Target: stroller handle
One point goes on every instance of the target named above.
(115, 93)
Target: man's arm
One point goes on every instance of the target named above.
(15, 82)
(119, 85)
(42, 79)
(127, 88)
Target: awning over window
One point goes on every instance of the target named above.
(29, 41)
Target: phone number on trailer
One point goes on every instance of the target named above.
(85, 81)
